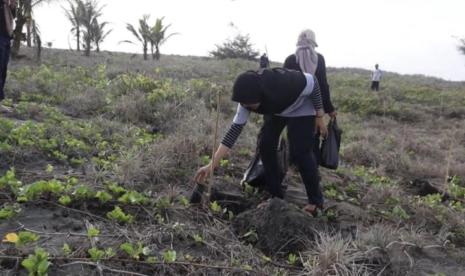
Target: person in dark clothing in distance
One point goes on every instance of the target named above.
(264, 61)
(7, 13)
(307, 59)
(287, 98)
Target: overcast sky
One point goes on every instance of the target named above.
(405, 36)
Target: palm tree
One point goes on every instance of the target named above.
(158, 37)
(74, 15)
(90, 15)
(98, 33)
(24, 15)
(142, 34)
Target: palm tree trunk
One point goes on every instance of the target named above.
(151, 50)
(145, 51)
(157, 52)
(87, 50)
(78, 39)
(28, 33)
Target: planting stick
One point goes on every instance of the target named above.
(215, 138)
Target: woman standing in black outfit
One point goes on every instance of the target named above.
(306, 59)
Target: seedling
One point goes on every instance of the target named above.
(292, 259)
(65, 200)
(109, 252)
(9, 211)
(198, 239)
(399, 212)
(184, 201)
(215, 207)
(169, 256)
(25, 237)
(66, 249)
(93, 232)
(9, 179)
(152, 260)
(37, 264)
(96, 254)
(118, 215)
(134, 251)
(83, 192)
(103, 196)
(133, 197)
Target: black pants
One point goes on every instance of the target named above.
(4, 59)
(375, 85)
(301, 135)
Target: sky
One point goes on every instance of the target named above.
(404, 36)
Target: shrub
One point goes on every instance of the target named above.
(239, 47)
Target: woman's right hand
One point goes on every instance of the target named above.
(202, 173)
(321, 126)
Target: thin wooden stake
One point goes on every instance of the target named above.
(215, 138)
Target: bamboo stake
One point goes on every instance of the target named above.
(215, 138)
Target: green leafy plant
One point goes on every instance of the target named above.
(331, 193)
(152, 260)
(93, 232)
(96, 254)
(198, 239)
(215, 207)
(133, 197)
(330, 214)
(224, 163)
(37, 264)
(115, 188)
(66, 249)
(163, 203)
(26, 237)
(118, 215)
(103, 196)
(455, 189)
(9, 211)
(9, 180)
(109, 252)
(65, 200)
(399, 212)
(249, 189)
(49, 168)
(135, 251)
(205, 159)
(83, 192)
(292, 259)
(169, 256)
(184, 201)
(35, 190)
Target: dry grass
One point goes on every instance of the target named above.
(89, 103)
(133, 108)
(332, 255)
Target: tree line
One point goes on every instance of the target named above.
(89, 31)
(87, 28)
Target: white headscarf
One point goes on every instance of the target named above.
(306, 56)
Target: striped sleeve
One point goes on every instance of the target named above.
(316, 96)
(231, 136)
